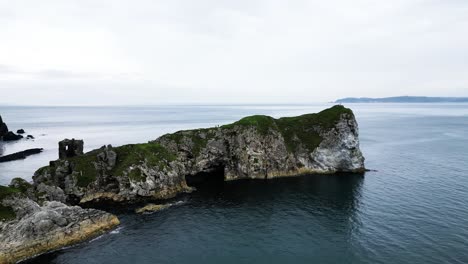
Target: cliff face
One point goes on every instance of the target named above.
(255, 147)
(28, 228)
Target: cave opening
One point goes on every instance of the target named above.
(211, 176)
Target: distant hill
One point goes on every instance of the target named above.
(404, 99)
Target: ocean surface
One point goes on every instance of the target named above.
(412, 209)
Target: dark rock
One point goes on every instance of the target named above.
(3, 128)
(20, 131)
(20, 155)
(70, 148)
(10, 136)
(29, 137)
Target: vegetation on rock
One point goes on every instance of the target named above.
(256, 146)
(6, 212)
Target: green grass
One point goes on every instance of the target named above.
(296, 130)
(153, 153)
(299, 130)
(84, 165)
(23, 184)
(261, 122)
(6, 212)
(6, 191)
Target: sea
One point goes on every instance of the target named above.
(412, 207)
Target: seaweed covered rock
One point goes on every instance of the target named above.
(255, 147)
(28, 228)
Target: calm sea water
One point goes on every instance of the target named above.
(413, 209)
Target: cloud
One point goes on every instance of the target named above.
(242, 51)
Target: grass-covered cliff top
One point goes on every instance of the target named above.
(296, 130)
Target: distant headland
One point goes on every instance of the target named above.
(404, 99)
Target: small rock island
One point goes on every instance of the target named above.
(255, 147)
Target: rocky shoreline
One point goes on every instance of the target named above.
(29, 226)
(255, 147)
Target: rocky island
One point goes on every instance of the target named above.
(255, 147)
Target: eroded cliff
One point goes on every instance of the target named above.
(255, 147)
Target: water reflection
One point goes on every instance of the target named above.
(236, 218)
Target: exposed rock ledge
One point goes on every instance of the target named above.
(28, 229)
(255, 147)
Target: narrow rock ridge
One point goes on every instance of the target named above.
(255, 147)
(20, 155)
(28, 228)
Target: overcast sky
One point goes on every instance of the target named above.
(91, 52)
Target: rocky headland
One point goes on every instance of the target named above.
(255, 147)
(44, 215)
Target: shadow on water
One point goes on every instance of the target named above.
(298, 209)
(337, 191)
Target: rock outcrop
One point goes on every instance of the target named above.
(10, 136)
(3, 128)
(20, 155)
(255, 147)
(28, 228)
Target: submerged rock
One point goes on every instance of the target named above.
(20, 131)
(28, 228)
(20, 155)
(149, 208)
(255, 147)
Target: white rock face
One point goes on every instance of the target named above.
(339, 150)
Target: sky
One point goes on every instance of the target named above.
(146, 52)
